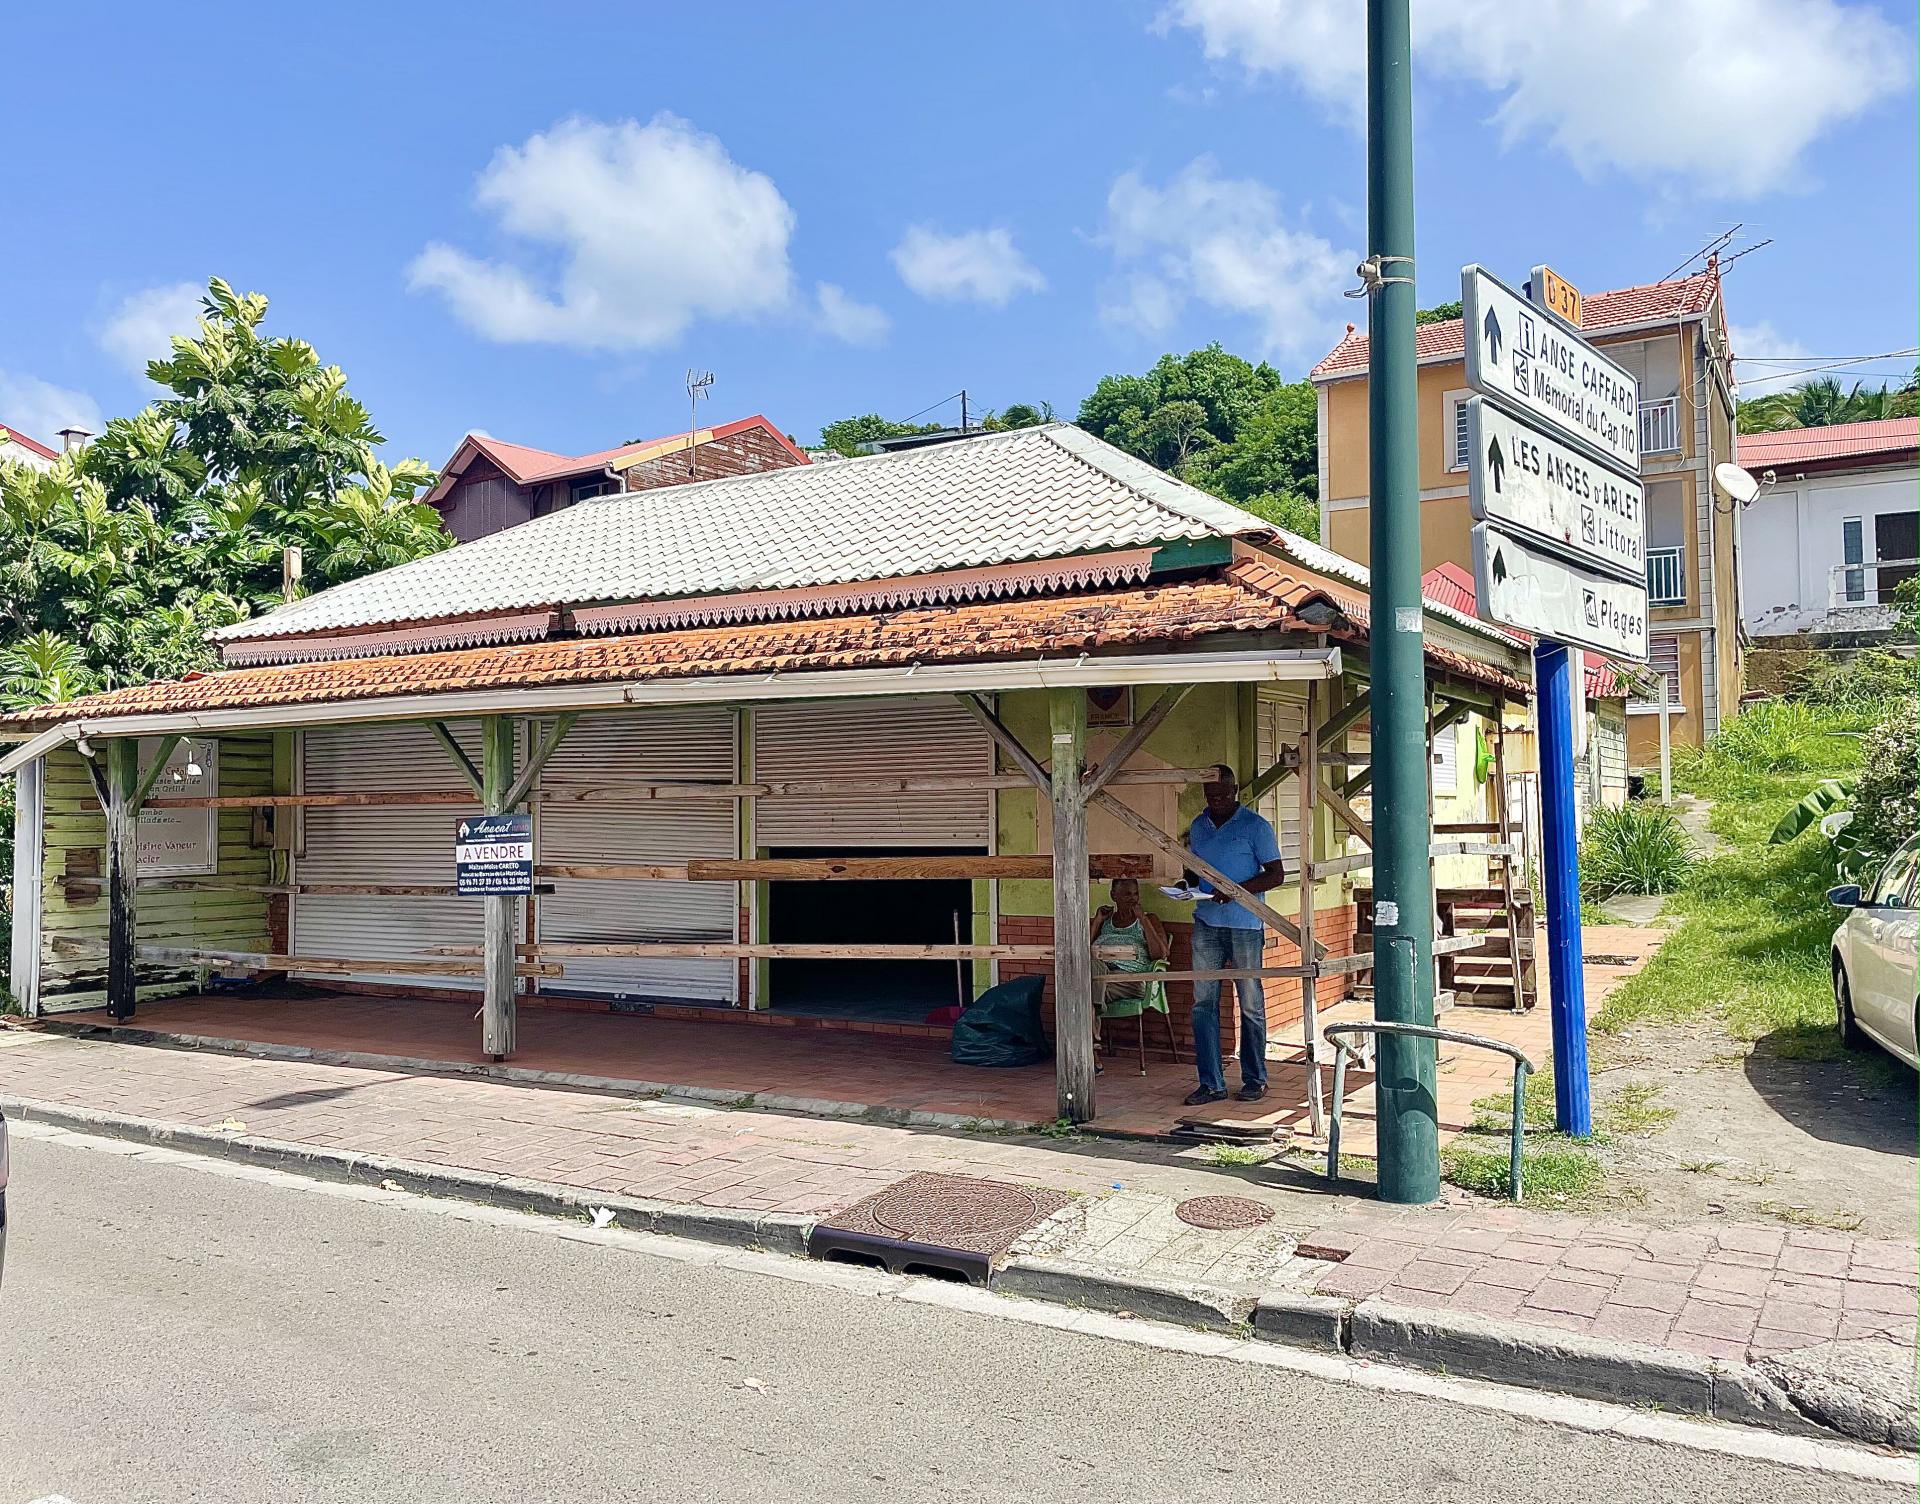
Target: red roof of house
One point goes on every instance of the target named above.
(15, 436)
(1680, 298)
(1250, 595)
(1878, 442)
(527, 466)
(1451, 585)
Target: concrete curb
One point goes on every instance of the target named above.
(1209, 1307)
(775, 1231)
(1455, 1343)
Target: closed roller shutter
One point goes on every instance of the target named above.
(382, 844)
(1279, 724)
(871, 739)
(691, 743)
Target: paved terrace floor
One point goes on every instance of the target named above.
(863, 1068)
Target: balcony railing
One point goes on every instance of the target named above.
(1660, 426)
(1868, 583)
(1666, 578)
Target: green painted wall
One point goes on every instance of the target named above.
(74, 842)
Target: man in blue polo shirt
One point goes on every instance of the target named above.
(1227, 936)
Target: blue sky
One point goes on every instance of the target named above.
(532, 219)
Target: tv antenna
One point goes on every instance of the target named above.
(697, 384)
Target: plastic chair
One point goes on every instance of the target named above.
(1152, 999)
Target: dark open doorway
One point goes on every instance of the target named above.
(913, 911)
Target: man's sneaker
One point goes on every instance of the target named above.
(1251, 1093)
(1200, 1096)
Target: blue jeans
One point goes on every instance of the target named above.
(1216, 948)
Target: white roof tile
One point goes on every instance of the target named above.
(1033, 493)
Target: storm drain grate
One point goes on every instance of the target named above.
(1220, 1213)
(936, 1224)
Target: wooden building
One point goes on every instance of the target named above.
(855, 739)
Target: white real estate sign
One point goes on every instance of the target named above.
(1525, 586)
(180, 842)
(1535, 364)
(1555, 494)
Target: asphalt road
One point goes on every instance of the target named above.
(170, 1333)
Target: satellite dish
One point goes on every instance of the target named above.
(1737, 483)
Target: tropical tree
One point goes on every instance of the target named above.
(1822, 401)
(118, 560)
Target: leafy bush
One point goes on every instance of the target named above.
(1887, 810)
(1859, 689)
(1637, 848)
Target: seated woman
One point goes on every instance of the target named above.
(1124, 923)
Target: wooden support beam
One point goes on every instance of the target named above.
(154, 769)
(1349, 816)
(549, 744)
(890, 868)
(188, 955)
(1359, 782)
(729, 950)
(1180, 853)
(459, 755)
(123, 855)
(96, 776)
(1309, 842)
(612, 871)
(1260, 973)
(496, 764)
(1098, 777)
(1343, 720)
(1335, 866)
(311, 801)
(1072, 956)
(1029, 766)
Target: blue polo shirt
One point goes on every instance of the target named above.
(1240, 848)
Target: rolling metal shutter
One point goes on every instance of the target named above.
(694, 743)
(382, 844)
(1280, 723)
(890, 738)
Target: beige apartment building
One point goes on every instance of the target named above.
(1673, 337)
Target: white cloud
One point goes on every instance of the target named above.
(142, 327)
(973, 266)
(39, 409)
(1782, 361)
(846, 318)
(1723, 95)
(652, 227)
(1222, 242)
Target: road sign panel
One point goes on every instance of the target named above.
(1531, 361)
(493, 854)
(1553, 291)
(1529, 482)
(1522, 585)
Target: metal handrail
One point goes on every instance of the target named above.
(1522, 1067)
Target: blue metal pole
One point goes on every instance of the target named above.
(1553, 683)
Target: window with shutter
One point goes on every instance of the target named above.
(1457, 430)
(1279, 724)
(1445, 753)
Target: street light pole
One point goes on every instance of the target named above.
(1409, 1143)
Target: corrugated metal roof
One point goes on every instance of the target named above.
(1679, 298)
(1836, 441)
(1032, 493)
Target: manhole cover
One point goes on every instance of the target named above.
(1222, 1212)
(952, 1211)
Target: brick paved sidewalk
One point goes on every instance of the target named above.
(1726, 1292)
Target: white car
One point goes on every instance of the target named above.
(1873, 957)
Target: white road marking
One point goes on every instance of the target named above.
(1717, 1437)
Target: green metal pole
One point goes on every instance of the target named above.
(1409, 1143)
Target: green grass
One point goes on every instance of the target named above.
(1552, 1168)
(1637, 848)
(1755, 929)
(1225, 1155)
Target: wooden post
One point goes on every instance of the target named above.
(123, 854)
(1308, 781)
(1072, 954)
(496, 774)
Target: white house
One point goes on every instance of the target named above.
(1832, 532)
(25, 451)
